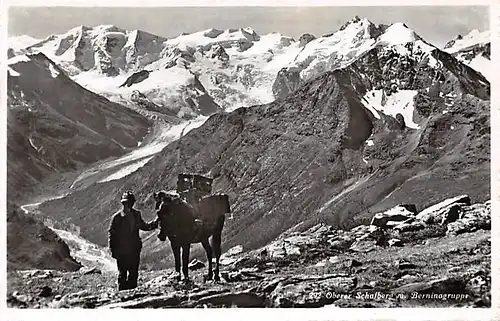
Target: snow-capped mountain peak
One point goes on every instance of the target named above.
(473, 38)
(106, 48)
(208, 37)
(398, 33)
(474, 50)
(234, 67)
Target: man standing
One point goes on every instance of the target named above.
(125, 243)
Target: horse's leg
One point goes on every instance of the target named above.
(216, 245)
(216, 240)
(185, 260)
(176, 250)
(208, 249)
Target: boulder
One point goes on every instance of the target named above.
(363, 246)
(234, 250)
(403, 265)
(435, 213)
(355, 263)
(45, 291)
(87, 271)
(473, 218)
(361, 230)
(196, 265)
(409, 226)
(242, 275)
(452, 214)
(334, 259)
(445, 285)
(340, 244)
(395, 242)
(243, 299)
(393, 217)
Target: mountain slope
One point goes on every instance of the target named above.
(55, 125)
(334, 151)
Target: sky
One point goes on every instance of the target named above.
(436, 24)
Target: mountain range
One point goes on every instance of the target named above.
(329, 129)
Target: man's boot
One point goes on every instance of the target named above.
(122, 278)
(122, 285)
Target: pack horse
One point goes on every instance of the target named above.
(192, 215)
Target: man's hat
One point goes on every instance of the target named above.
(128, 197)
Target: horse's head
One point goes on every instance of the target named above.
(165, 197)
(163, 205)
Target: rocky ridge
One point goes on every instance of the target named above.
(49, 132)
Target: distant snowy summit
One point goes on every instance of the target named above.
(473, 49)
(232, 67)
(107, 48)
(474, 38)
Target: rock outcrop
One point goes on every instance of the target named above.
(32, 245)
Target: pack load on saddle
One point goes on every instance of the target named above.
(196, 190)
(192, 187)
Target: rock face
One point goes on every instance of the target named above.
(32, 245)
(50, 132)
(287, 81)
(394, 216)
(136, 77)
(305, 39)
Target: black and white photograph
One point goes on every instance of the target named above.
(248, 157)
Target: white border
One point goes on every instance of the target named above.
(274, 314)
(241, 3)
